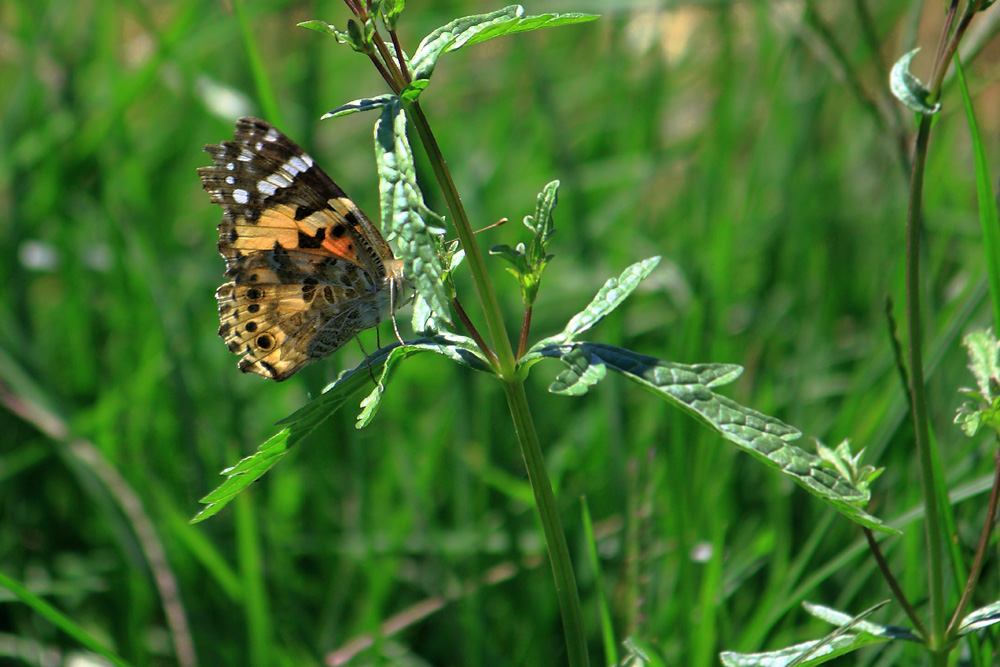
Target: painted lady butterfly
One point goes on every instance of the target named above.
(307, 270)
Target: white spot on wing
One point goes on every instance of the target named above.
(245, 155)
(260, 145)
(296, 166)
(241, 196)
(272, 135)
(230, 180)
(266, 189)
(230, 166)
(279, 179)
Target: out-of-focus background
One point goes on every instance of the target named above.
(753, 145)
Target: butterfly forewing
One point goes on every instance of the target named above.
(307, 270)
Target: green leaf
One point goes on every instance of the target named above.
(324, 27)
(984, 359)
(458, 348)
(989, 219)
(515, 256)
(310, 416)
(479, 28)
(981, 618)
(404, 214)
(391, 9)
(580, 375)
(845, 639)
(908, 89)
(82, 633)
(245, 473)
(365, 104)
(609, 297)
(860, 624)
(689, 388)
(541, 222)
(984, 362)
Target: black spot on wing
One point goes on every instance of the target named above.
(310, 242)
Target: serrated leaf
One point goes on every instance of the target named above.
(404, 214)
(609, 297)
(981, 618)
(689, 388)
(364, 104)
(984, 358)
(910, 90)
(541, 222)
(309, 417)
(243, 474)
(479, 28)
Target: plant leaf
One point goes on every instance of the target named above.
(306, 419)
(582, 372)
(981, 618)
(910, 90)
(364, 104)
(244, 473)
(689, 388)
(479, 28)
(860, 624)
(404, 213)
(609, 297)
(819, 652)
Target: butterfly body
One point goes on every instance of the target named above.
(307, 270)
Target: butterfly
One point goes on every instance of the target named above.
(307, 270)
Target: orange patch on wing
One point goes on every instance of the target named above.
(341, 247)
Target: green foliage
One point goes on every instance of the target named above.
(760, 162)
(984, 408)
(529, 262)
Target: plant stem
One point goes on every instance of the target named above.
(932, 523)
(984, 541)
(545, 502)
(897, 590)
(473, 255)
(548, 512)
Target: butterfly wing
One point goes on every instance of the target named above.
(308, 271)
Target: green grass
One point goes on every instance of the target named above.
(774, 194)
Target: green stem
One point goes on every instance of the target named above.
(545, 502)
(473, 256)
(548, 511)
(932, 523)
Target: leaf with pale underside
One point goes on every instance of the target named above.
(689, 387)
(404, 214)
(479, 28)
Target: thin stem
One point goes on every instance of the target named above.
(471, 329)
(399, 54)
(984, 541)
(932, 523)
(548, 512)
(522, 342)
(473, 255)
(883, 566)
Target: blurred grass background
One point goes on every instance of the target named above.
(751, 144)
